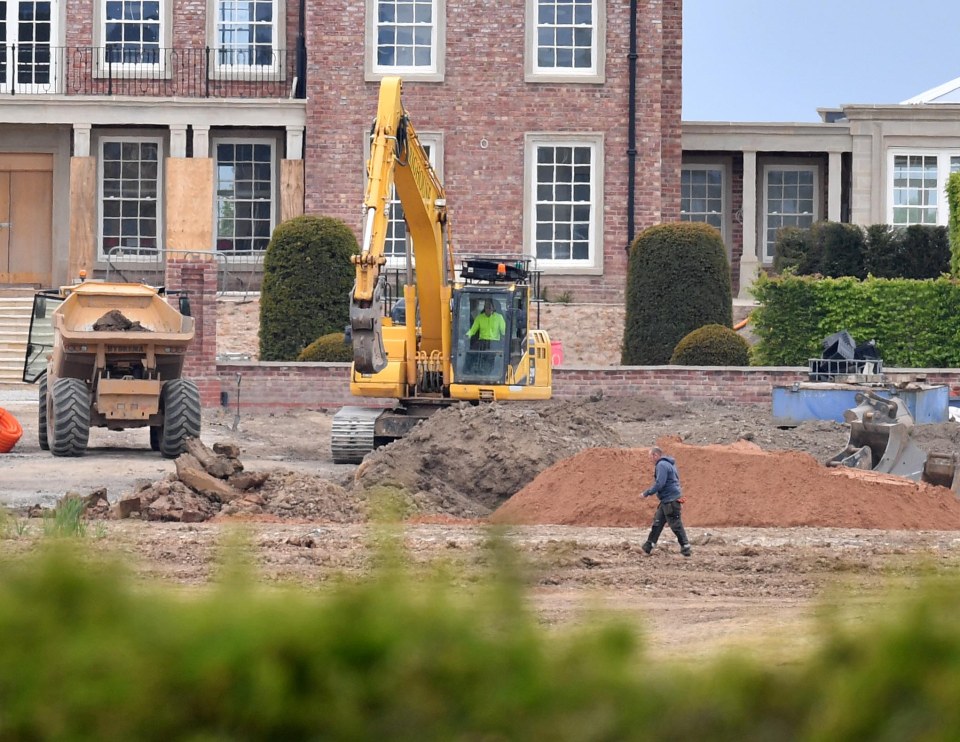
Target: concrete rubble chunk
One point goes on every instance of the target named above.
(192, 474)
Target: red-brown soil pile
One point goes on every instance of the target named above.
(732, 485)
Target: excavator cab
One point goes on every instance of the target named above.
(479, 360)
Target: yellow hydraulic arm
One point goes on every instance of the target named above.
(398, 160)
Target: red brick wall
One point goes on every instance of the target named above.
(484, 96)
(198, 280)
(278, 386)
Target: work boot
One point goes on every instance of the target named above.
(685, 550)
(647, 547)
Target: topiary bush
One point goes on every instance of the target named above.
(712, 345)
(332, 348)
(678, 279)
(925, 252)
(953, 199)
(840, 247)
(306, 283)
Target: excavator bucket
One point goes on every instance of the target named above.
(941, 469)
(880, 431)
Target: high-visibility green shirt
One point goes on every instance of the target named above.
(490, 327)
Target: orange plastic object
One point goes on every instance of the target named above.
(10, 431)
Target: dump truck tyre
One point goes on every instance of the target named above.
(181, 416)
(71, 418)
(42, 415)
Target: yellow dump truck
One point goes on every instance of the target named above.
(111, 355)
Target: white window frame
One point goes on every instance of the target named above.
(596, 73)
(103, 67)
(435, 72)
(276, 70)
(593, 264)
(101, 141)
(724, 193)
(12, 25)
(767, 249)
(944, 164)
(274, 191)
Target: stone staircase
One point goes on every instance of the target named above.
(15, 307)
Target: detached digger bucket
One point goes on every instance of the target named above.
(941, 469)
(880, 440)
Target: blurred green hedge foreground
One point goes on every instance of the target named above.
(89, 653)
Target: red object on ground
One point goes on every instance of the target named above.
(10, 431)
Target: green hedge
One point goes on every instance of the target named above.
(307, 277)
(915, 323)
(953, 199)
(90, 655)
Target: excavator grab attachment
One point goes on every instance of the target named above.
(369, 355)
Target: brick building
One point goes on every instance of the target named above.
(524, 107)
(129, 127)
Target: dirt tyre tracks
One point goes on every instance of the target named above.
(71, 418)
(180, 402)
(42, 415)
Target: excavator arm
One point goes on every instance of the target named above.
(398, 161)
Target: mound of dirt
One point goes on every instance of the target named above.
(728, 485)
(487, 452)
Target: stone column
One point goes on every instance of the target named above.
(750, 260)
(834, 187)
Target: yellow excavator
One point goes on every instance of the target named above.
(442, 352)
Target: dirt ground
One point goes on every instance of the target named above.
(773, 541)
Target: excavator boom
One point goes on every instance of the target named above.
(398, 161)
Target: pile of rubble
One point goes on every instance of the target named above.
(210, 483)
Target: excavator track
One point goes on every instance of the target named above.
(351, 436)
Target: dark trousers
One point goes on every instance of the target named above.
(668, 514)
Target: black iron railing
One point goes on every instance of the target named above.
(205, 72)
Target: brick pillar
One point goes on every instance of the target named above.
(197, 278)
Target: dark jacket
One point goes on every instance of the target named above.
(667, 483)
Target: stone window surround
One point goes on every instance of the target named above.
(784, 164)
(595, 75)
(233, 72)
(435, 73)
(225, 136)
(100, 67)
(944, 156)
(725, 166)
(593, 266)
(103, 136)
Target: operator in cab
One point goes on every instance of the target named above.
(489, 326)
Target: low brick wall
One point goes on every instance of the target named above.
(279, 386)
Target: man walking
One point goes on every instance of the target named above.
(666, 487)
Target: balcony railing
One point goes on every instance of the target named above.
(142, 70)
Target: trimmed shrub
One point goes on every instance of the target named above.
(712, 345)
(925, 252)
(835, 249)
(792, 248)
(840, 247)
(306, 283)
(678, 279)
(882, 254)
(332, 348)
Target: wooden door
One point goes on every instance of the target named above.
(26, 219)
